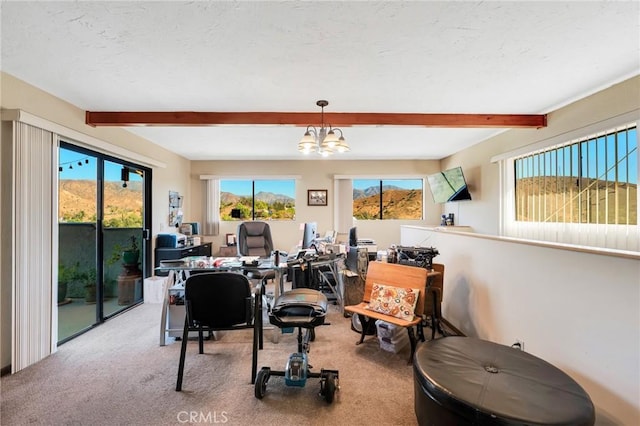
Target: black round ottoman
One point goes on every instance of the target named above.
(462, 380)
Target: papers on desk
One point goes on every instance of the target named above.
(220, 262)
(248, 259)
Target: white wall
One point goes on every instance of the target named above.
(578, 311)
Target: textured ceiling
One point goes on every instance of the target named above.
(412, 57)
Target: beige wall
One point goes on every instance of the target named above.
(483, 212)
(15, 94)
(315, 174)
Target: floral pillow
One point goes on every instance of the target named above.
(398, 302)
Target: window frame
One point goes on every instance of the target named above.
(581, 235)
(587, 169)
(252, 181)
(381, 180)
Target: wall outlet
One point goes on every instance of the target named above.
(519, 344)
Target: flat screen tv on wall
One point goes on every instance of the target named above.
(448, 185)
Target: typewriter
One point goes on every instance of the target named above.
(421, 257)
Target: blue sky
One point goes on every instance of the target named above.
(243, 187)
(599, 159)
(402, 183)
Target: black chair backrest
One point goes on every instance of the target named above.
(218, 299)
(254, 239)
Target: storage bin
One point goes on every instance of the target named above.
(388, 330)
(391, 337)
(395, 344)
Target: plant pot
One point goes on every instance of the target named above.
(110, 288)
(90, 293)
(62, 291)
(130, 257)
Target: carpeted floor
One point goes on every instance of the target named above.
(117, 374)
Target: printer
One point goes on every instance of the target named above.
(171, 240)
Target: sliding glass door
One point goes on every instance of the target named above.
(122, 227)
(103, 254)
(77, 236)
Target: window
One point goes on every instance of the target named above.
(581, 191)
(257, 199)
(387, 199)
(593, 180)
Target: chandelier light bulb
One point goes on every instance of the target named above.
(322, 140)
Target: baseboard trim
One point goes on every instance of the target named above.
(451, 327)
(5, 370)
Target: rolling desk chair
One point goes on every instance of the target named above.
(254, 239)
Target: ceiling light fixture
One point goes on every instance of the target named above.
(324, 142)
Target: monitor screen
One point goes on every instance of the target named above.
(309, 235)
(195, 227)
(448, 185)
(353, 237)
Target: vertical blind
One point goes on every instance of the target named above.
(583, 192)
(33, 235)
(211, 212)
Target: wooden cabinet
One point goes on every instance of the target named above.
(165, 253)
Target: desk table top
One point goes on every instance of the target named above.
(205, 263)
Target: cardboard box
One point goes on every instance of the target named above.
(153, 289)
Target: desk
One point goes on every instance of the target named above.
(167, 253)
(173, 314)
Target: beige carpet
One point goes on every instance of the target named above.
(117, 374)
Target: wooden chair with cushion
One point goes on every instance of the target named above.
(386, 282)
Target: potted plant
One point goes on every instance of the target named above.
(66, 274)
(110, 286)
(90, 285)
(129, 254)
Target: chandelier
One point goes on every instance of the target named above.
(324, 142)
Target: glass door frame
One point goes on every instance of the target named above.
(145, 245)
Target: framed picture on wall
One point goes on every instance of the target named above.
(231, 239)
(317, 197)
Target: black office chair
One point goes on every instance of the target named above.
(220, 301)
(254, 239)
